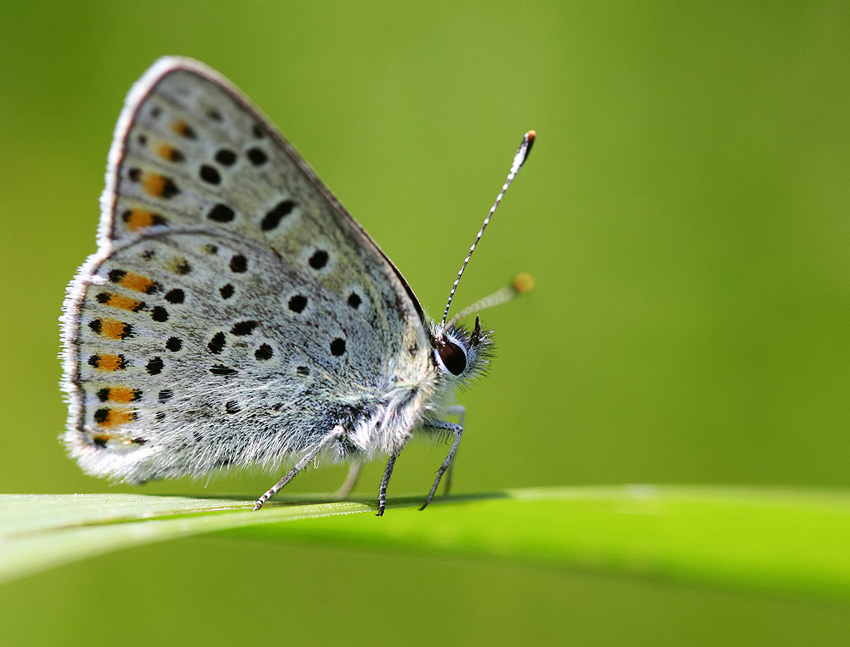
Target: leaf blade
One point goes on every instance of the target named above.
(779, 541)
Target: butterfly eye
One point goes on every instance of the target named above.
(452, 357)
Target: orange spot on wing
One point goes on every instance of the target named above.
(122, 394)
(154, 184)
(109, 362)
(166, 152)
(113, 328)
(117, 417)
(123, 303)
(182, 128)
(139, 219)
(136, 282)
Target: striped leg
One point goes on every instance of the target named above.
(438, 426)
(334, 434)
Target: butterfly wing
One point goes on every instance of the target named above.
(234, 312)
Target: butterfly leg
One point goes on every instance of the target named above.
(350, 481)
(442, 427)
(334, 434)
(460, 412)
(388, 472)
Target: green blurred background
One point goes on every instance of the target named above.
(684, 213)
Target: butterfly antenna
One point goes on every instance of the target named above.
(519, 159)
(522, 283)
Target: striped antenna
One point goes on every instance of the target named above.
(519, 159)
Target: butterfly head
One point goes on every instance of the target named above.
(460, 354)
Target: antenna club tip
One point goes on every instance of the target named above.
(523, 283)
(527, 143)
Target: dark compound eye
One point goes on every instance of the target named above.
(453, 358)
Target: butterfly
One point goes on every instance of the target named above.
(235, 314)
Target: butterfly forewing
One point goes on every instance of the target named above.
(230, 293)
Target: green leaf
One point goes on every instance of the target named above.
(783, 541)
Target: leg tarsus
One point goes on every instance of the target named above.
(458, 432)
(448, 488)
(388, 472)
(460, 412)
